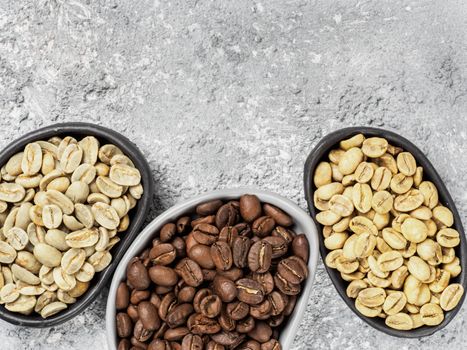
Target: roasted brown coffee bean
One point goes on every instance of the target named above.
(245, 325)
(263, 226)
(190, 241)
(250, 207)
(259, 256)
(201, 254)
(250, 345)
(240, 249)
(205, 233)
(200, 295)
(167, 232)
(186, 294)
(148, 315)
(210, 306)
(227, 215)
(243, 229)
(278, 302)
(262, 332)
(225, 321)
(137, 345)
(285, 286)
(190, 272)
(139, 295)
(207, 220)
(176, 334)
(159, 344)
(249, 291)
(224, 288)
(221, 255)
(180, 246)
(168, 302)
(124, 325)
(183, 223)
(162, 254)
(300, 247)
(286, 234)
(293, 269)
(123, 296)
(228, 234)
(200, 324)
(137, 275)
(178, 315)
(237, 310)
(212, 345)
(124, 344)
(132, 311)
(262, 311)
(232, 274)
(290, 305)
(163, 276)
(192, 342)
(209, 208)
(272, 344)
(227, 338)
(279, 216)
(266, 280)
(155, 300)
(278, 244)
(208, 275)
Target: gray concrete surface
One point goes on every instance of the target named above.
(226, 93)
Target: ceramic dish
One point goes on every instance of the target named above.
(303, 223)
(137, 214)
(320, 153)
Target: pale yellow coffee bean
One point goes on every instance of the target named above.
(136, 191)
(331, 258)
(22, 219)
(65, 297)
(100, 260)
(11, 192)
(360, 224)
(453, 267)
(48, 147)
(354, 141)
(52, 216)
(121, 159)
(364, 172)
(346, 265)
(408, 201)
(59, 199)
(430, 194)
(418, 177)
(336, 174)
(56, 238)
(422, 213)
(348, 180)
(90, 147)
(367, 311)
(17, 238)
(372, 297)
(398, 277)
(362, 197)
(355, 287)
(363, 265)
(419, 268)
(45, 299)
(63, 144)
(414, 230)
(85, 273)
(36, 234)
(28, 261)
(125, 175)
(394, 303)
(340, 205)
(376, 281)
(50, 287)
(31, 290)
(335, 155)
(381, 220)
(112, 242)
(432, 227)
(409, 250)
(7, 253)
(47, 255)
(50, 177)
(432, 275)
(451, 296)
(374, 267)
(441, 281)
(319, 203)
(326, 217)
(448, 237)
(398, 220)
(85, 173)
(327, 231)
(78, 192)
(428, 249)
(79, 289)
(348, 251)
(443, 215)
(104, 239)
(23, 305)
(71, 223)
(382, 202)
(82, 238)
(335, 241)
(387, 161)
(7, 275)
(63, 280)
(374, 147)
(326, 192)
(382, 246)
(122, 206)
(350, 160)
(9, 293)
(106, 153)
(13, 166)
(431, 314)
(102, 169)
(73, 260)
(381, 179)
(364, 245)
(417, 293)
(32, 159)
(106, 186)
(28, 181)
(406, 163)
(59, 184)
(390, 261)
(20, 273)
(46, 275)
(52, 309)
(393, 238)
(71, 158)
(84, 215)
(448, 255)
(48, 163)
(401, 183)
(400, 321)
(417, 320)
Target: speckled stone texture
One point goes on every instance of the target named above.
(226, 93)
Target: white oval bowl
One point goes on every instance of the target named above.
(302, 224)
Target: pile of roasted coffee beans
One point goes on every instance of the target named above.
(387, 233)
(226, 277)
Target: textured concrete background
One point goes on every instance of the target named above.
(226, 93)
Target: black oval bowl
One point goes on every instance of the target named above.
(137, 214)
(320, 153)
